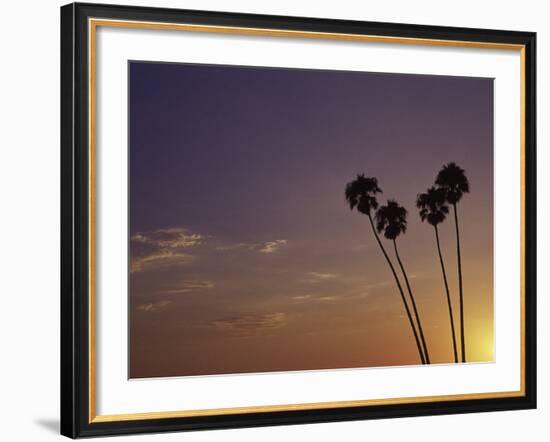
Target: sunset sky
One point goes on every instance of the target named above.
(244, 256)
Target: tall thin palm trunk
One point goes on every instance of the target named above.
(461, 299)
(455, 350)
(424, 346)
(405, 304)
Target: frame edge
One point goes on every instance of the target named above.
(530, 208)
(68, 402)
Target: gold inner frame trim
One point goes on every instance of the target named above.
(93, 24)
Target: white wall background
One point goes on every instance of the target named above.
(29, 219)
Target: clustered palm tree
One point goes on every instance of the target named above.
(433, 209)
(361, 194)
(391, 219)
(452, 180)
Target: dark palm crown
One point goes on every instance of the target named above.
(432, 205)
(361, 194)
(452, 179)
(391, 219)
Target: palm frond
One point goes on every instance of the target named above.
(432, 205)
(361, 193)
(391, 219)
(452, 179)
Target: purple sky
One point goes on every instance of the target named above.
(241, 240)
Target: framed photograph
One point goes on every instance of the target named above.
(274, 220)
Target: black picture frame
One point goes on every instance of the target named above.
(75, 219)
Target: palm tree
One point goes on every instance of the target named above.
(361, 194)
(433, 209)
(452, 180)
(392, 220)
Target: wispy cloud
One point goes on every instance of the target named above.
(322, 276)
(162, 248)
(367, 290)
(272, 246)
(236, 246)
(417, 275)
(175, 237)
(317, 277)
(262, 247)
(313, 298)
(160, 258)
(189, 286)
(249, 325)
(154, 307)
(378, 285)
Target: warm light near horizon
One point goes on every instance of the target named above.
(482, 348)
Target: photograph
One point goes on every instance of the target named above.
(285, 219)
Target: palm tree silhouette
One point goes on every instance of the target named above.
(361, 194)
(433, 209)
(392, 220)
(452, 180)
